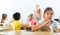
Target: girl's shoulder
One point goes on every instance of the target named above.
(54, 22)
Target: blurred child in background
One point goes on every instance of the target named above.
(16, 24)
(4, 20)
(37, 13)
(31, 20)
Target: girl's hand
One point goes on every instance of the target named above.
(47, 23)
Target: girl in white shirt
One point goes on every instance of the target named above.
(4, 20)
(37, 13)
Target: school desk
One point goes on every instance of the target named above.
(25, 32)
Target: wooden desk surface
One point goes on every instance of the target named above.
(24, 32)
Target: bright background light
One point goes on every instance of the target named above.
(25, 7)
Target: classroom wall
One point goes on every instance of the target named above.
(25, 7)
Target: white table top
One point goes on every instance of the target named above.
(24, 32)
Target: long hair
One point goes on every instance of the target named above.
(3, 18)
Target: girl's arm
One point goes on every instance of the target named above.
(24, 25)
(10, 26)
(56, 30)
(37, 26)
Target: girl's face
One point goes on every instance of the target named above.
(31, 17)
(48, 15)
(6, 17)
(37, 7)
(28, 17)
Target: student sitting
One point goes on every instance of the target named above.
(37, 13)
(47, 22)
(16, 24)
(31, 21)
(4, 20)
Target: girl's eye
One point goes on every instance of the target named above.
(51, 13)
(47, 13)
